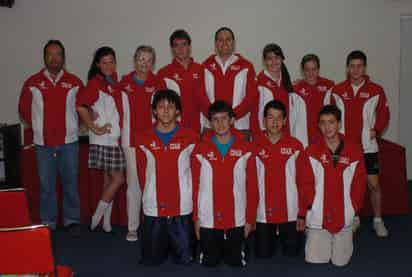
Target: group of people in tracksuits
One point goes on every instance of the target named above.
(215, 154)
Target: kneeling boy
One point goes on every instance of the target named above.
(282, 198)
(224, 190)
(336, 167)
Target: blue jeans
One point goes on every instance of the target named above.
(65, 160)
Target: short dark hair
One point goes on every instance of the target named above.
(356, 55)
(227, 29)
(220, 106)
(274, 104)
(330, 109)
(179, 34)
(54, 42)
(167, 94)
(309, 58)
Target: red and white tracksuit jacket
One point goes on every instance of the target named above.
(189, 84)
(105, 101)
(166, 179)
(224, 189)
(235, 84)
(339, 190)
(136, 106)
(50, 107)
(268, 90)
(367, 110)
(282, 195)
(307, 100)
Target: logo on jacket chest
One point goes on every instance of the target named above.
(195, 76)
(286, 151)
(66, 85)
(346, 96)
(42, 85)
(322, 88)
(149, 89)
(213, 66)
(175, 146)
(344, 160)
(263, 154)
(324, 159)
(154, 145)
(128, 88)
(271, 84)
(364, 95)
(303, 92)
(211, 156)
(177, 77)
(235, 67)
(235, 152)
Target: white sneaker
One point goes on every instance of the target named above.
(131, 236)
(355, 223)
(380, 229)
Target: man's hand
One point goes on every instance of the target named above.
(248, 229)
(300, 225)
(372, 133)
(197, 230)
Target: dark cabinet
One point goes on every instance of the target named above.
(10, 146)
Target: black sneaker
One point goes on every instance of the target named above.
(74, 230)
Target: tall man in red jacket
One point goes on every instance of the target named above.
(231, 78)
(335, 166)
(365, 115)
(47, 104)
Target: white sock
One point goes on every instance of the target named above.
(377, 219)
(98, 214)
(107, 226)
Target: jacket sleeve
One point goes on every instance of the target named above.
(359, 182)
(250, 99)
(203, 100)
(382, 114)
(195, 164)
(25, 103)
(87, 95)
(118, 100)
(305, 181)
(252, 194)
(141, 166)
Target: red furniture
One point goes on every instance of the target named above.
(28, 250)
(392, 176)
(393, 180)
(13, 207)
(90, 189)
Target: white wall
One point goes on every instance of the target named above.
(330, 28)
(405, 134)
